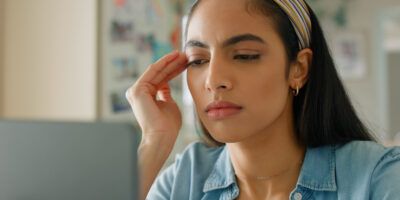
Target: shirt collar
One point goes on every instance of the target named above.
(317, 173)
(222, 174)
(319, 169)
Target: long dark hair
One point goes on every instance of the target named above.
(323, 113)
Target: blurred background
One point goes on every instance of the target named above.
(72, 60)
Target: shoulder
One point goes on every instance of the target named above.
(364, 155)
(365, 152)
(198, 155)
(199, 151)
(184, 179)
(369, 167)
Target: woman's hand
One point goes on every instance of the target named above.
(159, 118)
(157, 114)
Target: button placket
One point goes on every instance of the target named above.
(297, 196)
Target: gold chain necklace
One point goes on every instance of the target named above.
(267, 178)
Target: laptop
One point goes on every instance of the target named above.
(65, 161)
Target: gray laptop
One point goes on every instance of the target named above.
(67, 161)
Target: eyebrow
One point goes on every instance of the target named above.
(229, 42)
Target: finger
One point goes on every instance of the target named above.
(173, 74)
(146, 87)
(156, 67)
(140, 90)
(164, 93)
(170, 68)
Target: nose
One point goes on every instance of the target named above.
(218, 76)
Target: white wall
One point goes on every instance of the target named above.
(368, 94)
(1, 55)
(50, 59)
(394, 95)
(371, 92)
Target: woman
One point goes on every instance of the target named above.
(268, 96)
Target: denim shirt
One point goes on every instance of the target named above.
(357, 170)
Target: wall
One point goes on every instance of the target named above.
(372, 92)
(368, 94)
(394, 94)
(50, 59)
(1, 55)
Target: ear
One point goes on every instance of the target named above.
(299, 68)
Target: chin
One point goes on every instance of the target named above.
(225, 137)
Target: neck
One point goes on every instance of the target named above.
(270, 161)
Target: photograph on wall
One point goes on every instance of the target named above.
(125, 68)
(348, 49)
(121, 31)
(119, 102)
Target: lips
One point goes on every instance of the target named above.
(222, 109)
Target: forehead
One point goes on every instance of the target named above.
(216, 20)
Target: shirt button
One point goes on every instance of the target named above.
(297, 196)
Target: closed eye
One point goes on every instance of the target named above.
(196, 63)
(246, 57)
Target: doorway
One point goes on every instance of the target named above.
(391, 35)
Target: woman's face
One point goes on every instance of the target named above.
(239, 58)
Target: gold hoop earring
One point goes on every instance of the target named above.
(296, 91)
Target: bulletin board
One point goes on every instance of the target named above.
(133, 34)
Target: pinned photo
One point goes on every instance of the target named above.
(121, 31)
(125, 68)
(118, 102)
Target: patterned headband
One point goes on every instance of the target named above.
(299, 16)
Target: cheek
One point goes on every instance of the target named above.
(269, 97)
(194, 84)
